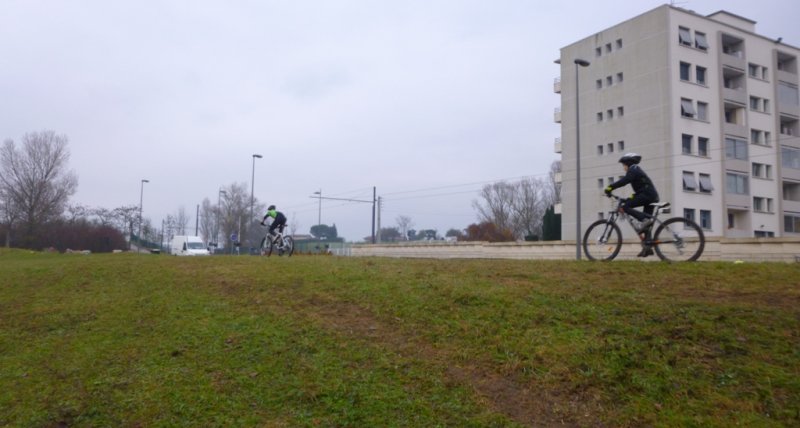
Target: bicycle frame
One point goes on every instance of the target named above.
(615, 214)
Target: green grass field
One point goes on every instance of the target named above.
(142, 340)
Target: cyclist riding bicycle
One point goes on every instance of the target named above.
(644, 194)
(278, 220)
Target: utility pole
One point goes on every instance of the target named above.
(380, 202)
(374, 193)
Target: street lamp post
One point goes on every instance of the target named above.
(581, 63)
(252, 189)
(319, 215)
(141, 200)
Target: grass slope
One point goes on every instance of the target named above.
(127, 340)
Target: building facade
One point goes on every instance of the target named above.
(712, 107)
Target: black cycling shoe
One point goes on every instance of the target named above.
(645, 252)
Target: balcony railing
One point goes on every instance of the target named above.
(557, 145)
(557, 115)
(557, 85)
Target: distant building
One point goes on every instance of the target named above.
(710, 105)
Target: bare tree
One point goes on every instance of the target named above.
(36, 180)
(181, 219)
(498, 202)
(9, 214)
(554, 189)
(294, 225)
(234, 209)
(126, 218)
(517, 207)
(528, 207)
(404, 223)
(208, 222)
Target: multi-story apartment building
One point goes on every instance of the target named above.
(710, 105)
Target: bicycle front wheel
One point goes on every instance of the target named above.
(263, 246)
(270, 244)
(288, 246)
(679, 240)
(602, 241)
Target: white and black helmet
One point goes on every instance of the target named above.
(630, 159)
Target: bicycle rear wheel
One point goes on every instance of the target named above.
(679, 240)
(602, 241)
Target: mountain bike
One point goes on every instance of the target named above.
(282, 243)
(675, 239)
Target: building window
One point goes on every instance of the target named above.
(610, 147)
(600, 150)
(608, 47)
(599, 83)
(761, 170)
(705, 219)
(619, 43)
(702, 111)
(758, 169)
(702, 146)
(598, 51)
(620, 146)
(787, 94)
(705, 183)
(790, 157)
(601, 215)
(610, 180)
(686, 144)
(737, 184)
(759, 104)
(700, 41)
(688, 213)
(600, 116)
(688, 181)
(610, 114)
(731, 221)
(763, 234)
(734, 114)
(759, 137)
(609, 80)
(701, 75)
(791, 223)
(757, 72)
(600, 183)
(787, 63)
(684, 36)
(762, 205)
(620, 77)
(620, 111)
(687, 109)
(685, 71)
(735, 148)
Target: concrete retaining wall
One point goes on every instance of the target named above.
(745, 249)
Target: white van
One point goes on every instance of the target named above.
(183, 245)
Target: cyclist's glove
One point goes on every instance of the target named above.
(608, 190)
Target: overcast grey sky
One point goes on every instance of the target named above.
(426, 100)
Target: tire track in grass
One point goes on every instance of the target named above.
(524, 404)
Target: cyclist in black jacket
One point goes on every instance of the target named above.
(278, 220)
(644, 193)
